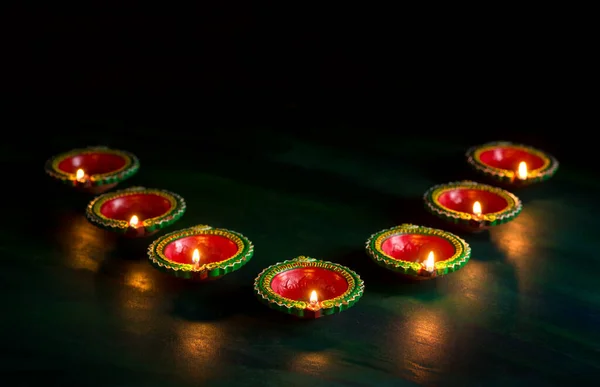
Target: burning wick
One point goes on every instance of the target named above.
(134, 221)
(522, 172)
(429, 263)
(314, 299)
(196, 257)
(477, 209)
(80, 175)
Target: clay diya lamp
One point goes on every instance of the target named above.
(472, 206)
(200, 252)
(136, 212)
(512, 164)
(94, 170)
(418, 252)
(308, 288)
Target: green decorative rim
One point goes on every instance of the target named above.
(150, 225)
(462, 251)
(545, 172)
(433, 205)
(205, 271)
(132, 165)
(265, 293)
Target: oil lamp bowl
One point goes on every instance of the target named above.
(403, 249)
(155, 210)
(453, 203)
(499, 161)
(221, 252)
(287, 286)
(103, 168)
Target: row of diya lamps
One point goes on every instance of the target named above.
(304, 286)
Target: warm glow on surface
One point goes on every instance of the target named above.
(80, 174)
(134, 221)
(424, 340)
(83, 246)
(477, 208)
(198, 347)
(313, 297)
(196, 257)
(312, 363)
(522, 173)
(430, 262)
(139, 279)
(522, 242)
(136, 303)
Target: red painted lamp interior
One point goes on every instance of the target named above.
(92, 163)
(462, 200)
(144, 206)
(298, 284)
(416, 247)
(212, 248)
(509, 158)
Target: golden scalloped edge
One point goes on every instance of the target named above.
(459, 259)
(178, 208)
(432, 204)
(214, 269)
(335, 305)
(132, 165)
(545, 172)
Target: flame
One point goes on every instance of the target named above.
(477, 208)
(430, 262)
(79, 174)
(313, 297)
(134, 221)
(196, 257)
(522, 172)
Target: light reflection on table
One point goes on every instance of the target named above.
(314, 363)
(472, 291)
(423, 344)
(140, 278)
(138, 298)
(84, 246)
(197, 348)
(519, 240)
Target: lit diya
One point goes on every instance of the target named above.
(308, 288)
(418, 251)
(200, 252)
(94, 169)
(136, 212)
(512, 163)
(472, 205)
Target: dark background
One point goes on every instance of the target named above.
(323, 72)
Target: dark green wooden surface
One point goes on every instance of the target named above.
(81, 308)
